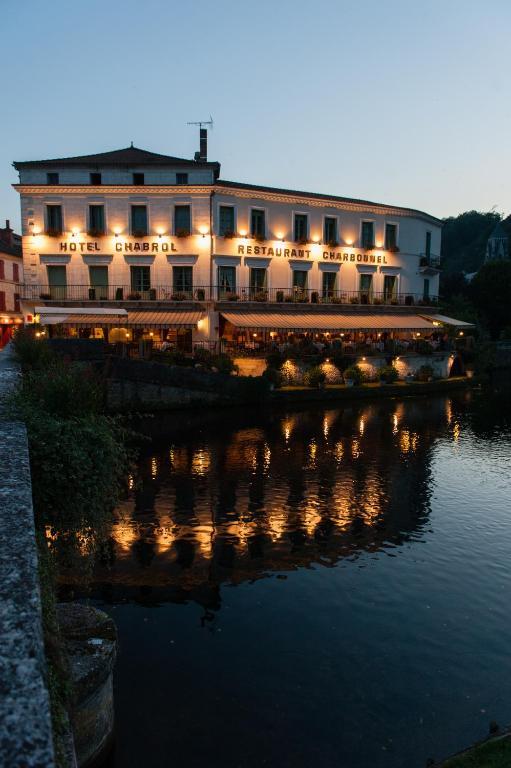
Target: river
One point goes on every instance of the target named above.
(323, 587)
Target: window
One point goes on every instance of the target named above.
(2, 301)
(330, 230)
(140, 279)
(57, 281)
(182, 220)
(226, 220)
(366, 288)
(301, 227)
(226, 281)
(53, 219)
(425, 292)
(389, 287)
(299, 280)
(257, 222)
(15, 273)
(181, 178)
(95, 179)
(182, 281)
(52, 178)
(138, 179)
(98, 279)
(139, 220)
(390, 237)
(329, 281)
(96, 219)
(17, 307)
(367, 234)
(2, 269)
(257, 281)
(428, 244)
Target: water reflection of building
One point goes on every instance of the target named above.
(239, 500)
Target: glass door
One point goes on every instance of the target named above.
(98, 280)
(226, 282)
(366, 289)
(57, 282)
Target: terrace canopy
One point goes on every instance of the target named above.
(315, 321)
(444, 320)
(177, 319)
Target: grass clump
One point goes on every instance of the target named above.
(492, 754)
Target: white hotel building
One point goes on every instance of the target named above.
(130, 244)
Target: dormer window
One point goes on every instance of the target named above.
(138, 179)
(181, 178)
(95, 179)
(52, 178)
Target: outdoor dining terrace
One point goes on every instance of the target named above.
(202, 293)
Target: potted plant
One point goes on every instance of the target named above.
(232, 297)
(394, 302)
(178, 296)
(182, 232)
(200, 294)
(139, 233)
(229, 233)
(387, 374)
(353, 299)
(261, 296)
(332, 243)
(314, 297)
(302, 240)
(369, 247)
(53, 232)
(134, 296)
(260, 238)
(353, 376)
(119, 293)
(314, 378)
(45, 296)
(279, 296)
(377, 300)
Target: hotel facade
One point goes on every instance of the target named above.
(129, 245)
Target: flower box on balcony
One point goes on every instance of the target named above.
(178, 296)
(134, 296)
(354, 300)
(377, 300)
(95, 232)
(279, 296)
(229, 233)
(200, 294)
(182, 232)
(336, 300)
(232, 297)
(314, 297)
(393, 249)
(332, 244)
(302, 241)
(51, 232)
(394, 302)
(139, 233)
(260, 296)
(260, 238)
(45, 296)
(369, 247)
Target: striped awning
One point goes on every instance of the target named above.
(444, 320)
(316, 321)
(177, 319)
(87, 319)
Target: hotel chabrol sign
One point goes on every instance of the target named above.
(304, 253)
(124, 247)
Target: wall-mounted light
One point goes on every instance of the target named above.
(203, 231)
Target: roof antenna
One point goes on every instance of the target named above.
(132, 145)
(202, 154)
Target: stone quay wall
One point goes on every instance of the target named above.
(25, 720)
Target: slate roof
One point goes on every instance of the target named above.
(127, 157)
(321, 196)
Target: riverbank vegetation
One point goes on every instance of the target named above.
(78, 463)
(495, 753)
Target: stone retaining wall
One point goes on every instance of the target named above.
(25, 720)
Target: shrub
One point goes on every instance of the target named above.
(274, 359)
(31, 352)
(355, 373)
(388, 374)
(424, 373)
(314, 377)
(202, 356)
(223, 363)
(273, 377)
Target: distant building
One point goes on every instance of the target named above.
(497, 247)
(11, 277)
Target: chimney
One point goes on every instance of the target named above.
(6, 234)
(203, 147)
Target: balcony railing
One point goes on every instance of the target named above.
(429, 260)
(113, 293)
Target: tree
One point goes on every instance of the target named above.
(464, 240)
(490, 291)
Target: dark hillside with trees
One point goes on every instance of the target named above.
(464, 241)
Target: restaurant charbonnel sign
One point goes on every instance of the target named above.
(303, 253)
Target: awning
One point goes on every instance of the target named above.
(316, 321)
(444, 320)
(85, 319)
(164, 319)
